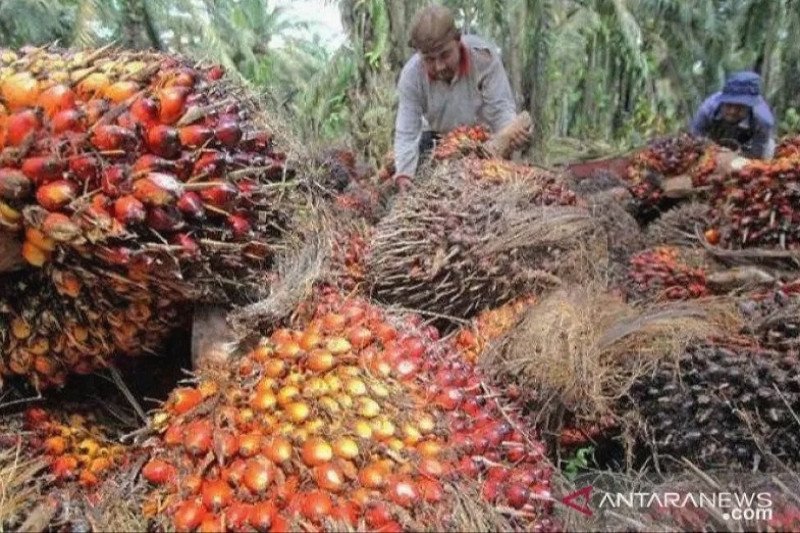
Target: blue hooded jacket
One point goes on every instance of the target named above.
(755, 133)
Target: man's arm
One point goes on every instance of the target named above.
(702, 118)
(408, 124)
(497, 96)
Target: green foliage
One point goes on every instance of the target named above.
(582, 459)
(35, 22)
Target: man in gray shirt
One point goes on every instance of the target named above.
(451, 81)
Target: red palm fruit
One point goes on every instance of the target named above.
(317, 506)
(19, 90)
(237, 516)
(56, 194)
(159, 472)
(84, 168)
(183, 399)
(257, 475)
(165, 219)
(172, 102)
(215, 73)
(188, 516)
(189, 246)
(185, 77)
(377, 515)
(191, 205)
(42, 169)
(403, 491)
(430, 490)
(60, 228)
(262, 516)
(65, 467)
(240, 226)
(125, 120)
(164, 141)
(152, 163)
(22, 126)
(120, 91)
(210, 164)
(198, 437)
(219, 195)
(56, 99)
(145, 111)
(68, 120)
(149, 193)
(345, 512)
(216, 494)
(212, 524)
(128, 210)
(517, 495)
(108, 137)
(195, 136)
(34, 255)
(116, 181)
(228, 133)
(14, 185)
(95, 110)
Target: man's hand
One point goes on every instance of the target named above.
(520, 137)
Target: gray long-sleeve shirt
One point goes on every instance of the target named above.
(480, 95)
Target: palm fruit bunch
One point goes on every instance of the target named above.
(340, 422)
(70, 322)
(665, 158)
(490, 325)
(721, 404)
(138, 183)
(77, 447)
(788, 147)
(462, 141)
(349, 248)
(667, 273)
(679, 226)
(758, 205)
(456, 245)
(772, 316)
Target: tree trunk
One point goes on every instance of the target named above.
(539, 17)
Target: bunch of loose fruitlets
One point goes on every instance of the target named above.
(490, 325)
(661, 273)
(75, 445)
(352, 418)
(462, 141)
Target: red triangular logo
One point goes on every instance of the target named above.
(585, 495)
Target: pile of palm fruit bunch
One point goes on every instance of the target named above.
(667, 273)
(757, 205)
(683, 155)
(138, 183)
(460, 242)
(350, 417)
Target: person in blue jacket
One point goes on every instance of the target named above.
(738, 117)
